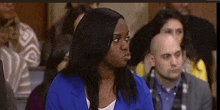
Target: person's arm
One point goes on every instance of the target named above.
(10, 97)
(3, 104)
(7, 98)
(30, 44)
(147, 102)
(213, 67)
(214, 72)
(52, 102)
(207, 98)
(212, 38)
(214, 64)
(23, 83)
(53, 95)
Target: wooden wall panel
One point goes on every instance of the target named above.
(35, 15)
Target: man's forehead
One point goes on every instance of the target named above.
(156, 42)
(169, 52)
(166, 43)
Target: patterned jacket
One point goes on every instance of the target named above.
(30, 50)
(15, 71)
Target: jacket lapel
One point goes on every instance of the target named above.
(79, 97)
(120, 103)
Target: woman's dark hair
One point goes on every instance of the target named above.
(144, 35)
(56, 57)
(71, 16)
(91, 42)
(66, 24)
(69, 6)
(140, 44)
(163, 16)
(64, 27)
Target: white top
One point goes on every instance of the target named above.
(109, 107)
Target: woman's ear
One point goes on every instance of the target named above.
(150, 57)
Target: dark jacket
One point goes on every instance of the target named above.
(7, 98)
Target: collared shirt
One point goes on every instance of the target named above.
(166, 96)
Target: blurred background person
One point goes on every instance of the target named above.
(18, 36)
(15, 70)
(171, 87)
(203, 36)
(172, 22)
(7, 99)
(65, 27)
(56, 62)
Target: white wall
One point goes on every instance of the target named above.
(136, 14)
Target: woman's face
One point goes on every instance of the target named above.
(76, 22)
(63, 63)
(7, 10)
(119, 53)
(175, 28)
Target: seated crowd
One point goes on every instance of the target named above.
(161, 68)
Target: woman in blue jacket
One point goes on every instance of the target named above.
(96, 76)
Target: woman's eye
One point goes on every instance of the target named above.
(116, 40)
(179, 32)
(168, 31)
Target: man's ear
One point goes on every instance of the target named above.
(151, 58)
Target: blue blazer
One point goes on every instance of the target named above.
(69, 94)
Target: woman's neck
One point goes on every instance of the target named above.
(106, 71)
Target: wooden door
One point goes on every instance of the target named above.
(35, 15)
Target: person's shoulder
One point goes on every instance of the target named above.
(145, 77)
(141, 84)
(137, 78)
(64, 82)
(199, 20)
(196, 82)
(25, 28)
(60, 79)
(8, 51)
(10, 54)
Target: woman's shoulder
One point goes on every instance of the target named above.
(64, 82)
(141, 85)
(145, 97)
(138, 79)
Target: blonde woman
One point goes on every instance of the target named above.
(18, 36)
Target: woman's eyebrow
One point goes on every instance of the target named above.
(118, 33)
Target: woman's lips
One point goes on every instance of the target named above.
(127, 56)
